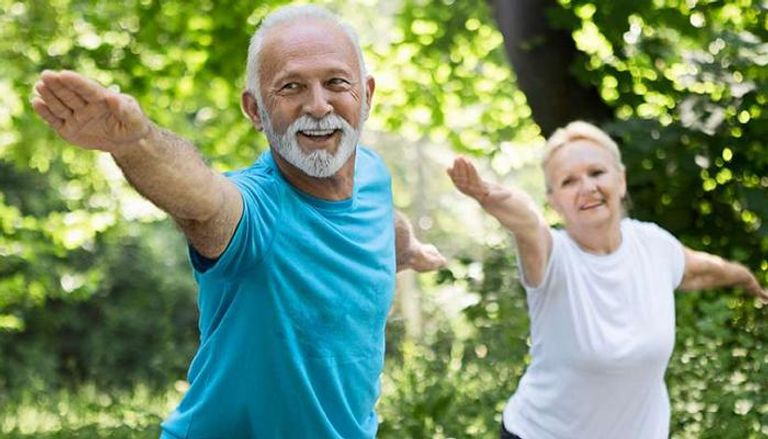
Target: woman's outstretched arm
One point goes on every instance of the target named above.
(515, 210)
(704, 270)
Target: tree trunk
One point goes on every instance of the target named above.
(541, 57)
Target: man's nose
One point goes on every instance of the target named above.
(317, 104)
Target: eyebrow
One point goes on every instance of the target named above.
(333, 71)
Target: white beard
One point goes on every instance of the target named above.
(319, 163)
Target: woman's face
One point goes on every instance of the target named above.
(586, 185)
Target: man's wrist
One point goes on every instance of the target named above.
(149, 137)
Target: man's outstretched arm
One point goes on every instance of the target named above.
(163, 167)
(410, 252)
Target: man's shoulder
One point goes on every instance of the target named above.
(260, 179)
(366, 153)
(371, 161)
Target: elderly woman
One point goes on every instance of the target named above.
(600, 295)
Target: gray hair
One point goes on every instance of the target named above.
(289, 14)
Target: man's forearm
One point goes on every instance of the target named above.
(170, 172)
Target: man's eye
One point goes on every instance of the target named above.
(289, 86)
(338, 81)
(567, 182)
(597, 173)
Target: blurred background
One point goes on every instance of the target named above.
(98, 315)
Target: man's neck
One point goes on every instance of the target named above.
(339, 186)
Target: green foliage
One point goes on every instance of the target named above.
(91, 292)
(89, 413)
(453, 84)
(687, 81)
(139, 325)
(456, 381)
(717, 373)
(93, 288)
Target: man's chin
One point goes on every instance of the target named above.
(309, 145)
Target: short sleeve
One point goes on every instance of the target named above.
(669, 252)
(253, 234)
(552, 262)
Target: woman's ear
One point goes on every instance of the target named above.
(623, 190)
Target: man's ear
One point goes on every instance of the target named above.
(250, 107)
(370, 87)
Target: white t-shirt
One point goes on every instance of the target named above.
(602, 332)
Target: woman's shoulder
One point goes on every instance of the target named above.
(646, 231)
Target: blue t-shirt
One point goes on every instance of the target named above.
(292, 314)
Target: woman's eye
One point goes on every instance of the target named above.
(289, 86)
(567, 182)
(597, 173)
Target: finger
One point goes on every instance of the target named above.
(471, 171)
(56, 107)
(759, 293)
(454, 173)
(449, 171)
(61, 89)
(87, 89)
(470, 179)
(437, 258)
(429, 262)
(65, 94)
(452, 169)
(46, 114)
(460, 169)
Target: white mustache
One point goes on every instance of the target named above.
(308, 123)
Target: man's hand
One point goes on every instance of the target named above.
(87, 114)
(410, 252)
(422, 257)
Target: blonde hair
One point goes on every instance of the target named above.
(580, 130)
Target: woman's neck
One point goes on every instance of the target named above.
(601, 240)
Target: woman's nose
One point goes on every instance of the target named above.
(587, 185)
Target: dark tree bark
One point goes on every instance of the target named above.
(542, 58)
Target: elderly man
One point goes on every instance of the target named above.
(295, 256)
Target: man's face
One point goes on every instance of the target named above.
(313, 104)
